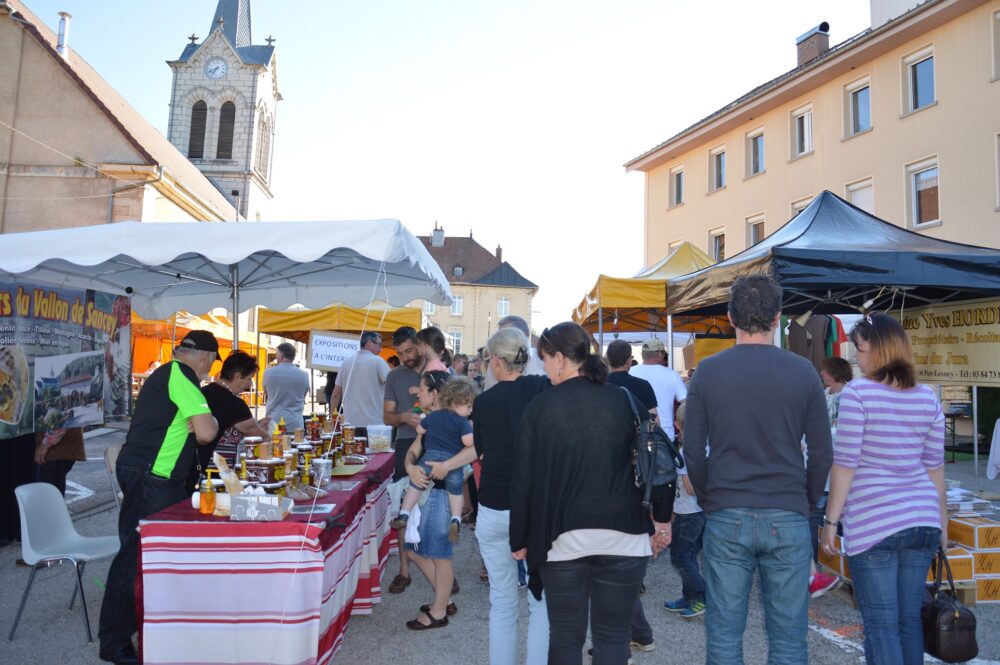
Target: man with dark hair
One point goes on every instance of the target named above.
(171, 419)
(619, 357)
(397, 410)
(361, 383)
(285, 389)
(754, 403)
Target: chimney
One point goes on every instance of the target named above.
(813, 43)
(63, 42)
(437, 238)
(499, 254)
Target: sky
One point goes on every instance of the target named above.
(510, 121)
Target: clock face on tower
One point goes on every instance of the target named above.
(216, 68)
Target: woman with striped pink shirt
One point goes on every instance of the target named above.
(887, 489)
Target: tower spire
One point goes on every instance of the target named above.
(234, 16)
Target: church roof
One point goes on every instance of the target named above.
(144, 137)
(235, 15)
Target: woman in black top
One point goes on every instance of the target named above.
(576, 514)
(496, 414)
(233, 414)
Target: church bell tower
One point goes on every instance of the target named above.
(223, 107)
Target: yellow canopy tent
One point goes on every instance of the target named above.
(296, 324)
(639, 304)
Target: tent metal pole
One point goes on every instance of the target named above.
(256, 385)
(975, 429)
(234, 277)
(600, 330)
(670, 339)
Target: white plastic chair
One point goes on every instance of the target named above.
(110, 460)
(48, 536)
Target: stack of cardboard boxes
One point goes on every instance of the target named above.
(974, 559)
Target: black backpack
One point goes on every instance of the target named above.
(655, 459)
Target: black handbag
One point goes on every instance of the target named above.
(655, 459)
(949, 626)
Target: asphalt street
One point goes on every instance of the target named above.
(50, 633)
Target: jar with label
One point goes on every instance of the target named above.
(206, 497)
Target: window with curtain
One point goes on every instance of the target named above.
(227, 122)
(196, 144)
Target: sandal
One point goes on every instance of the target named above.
(414, 624)
(450, 611)
(454, 586)
(399, 584)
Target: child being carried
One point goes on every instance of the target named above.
(441, 435)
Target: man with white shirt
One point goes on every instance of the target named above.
(361, 383)
(667, 384)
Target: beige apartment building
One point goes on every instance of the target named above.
(903, 120)
(484, 289)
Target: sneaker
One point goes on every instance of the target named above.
(676, 605)
(400, 521)
(695, 609)
(638, 646)
(453, 529)
(821, 583)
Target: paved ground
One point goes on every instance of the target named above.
(49, 633)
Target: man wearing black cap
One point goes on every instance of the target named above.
(171, 418)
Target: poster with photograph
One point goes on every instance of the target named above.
(64, 357)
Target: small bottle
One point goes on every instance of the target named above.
(207, 497)
(282, 427)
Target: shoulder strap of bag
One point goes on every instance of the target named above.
(943, 565)
(632, 405)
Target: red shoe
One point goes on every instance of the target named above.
(821, 583)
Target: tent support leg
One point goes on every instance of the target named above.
(975, 429)
(256, 383)
(600, 330)
(670, 340)
(234, 276)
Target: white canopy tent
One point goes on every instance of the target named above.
(200, 266)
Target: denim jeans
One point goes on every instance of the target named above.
(602, 589)
(738, 542)
(142, 495)
(816, 514)
(493, 534)
(889, 583)
(684, 548)
(454, 482)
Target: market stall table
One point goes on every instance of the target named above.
(215, 591)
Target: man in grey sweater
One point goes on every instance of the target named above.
(748, 409)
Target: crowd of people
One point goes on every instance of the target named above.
(534, 444)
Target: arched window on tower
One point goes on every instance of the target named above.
(263, 158)
(196, 144)
(227, 121)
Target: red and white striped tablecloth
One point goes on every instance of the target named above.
(260, 592)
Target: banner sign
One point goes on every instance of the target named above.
(328, 350)
(956, 343)
(64, 357)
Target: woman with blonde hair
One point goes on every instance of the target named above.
(887, 489)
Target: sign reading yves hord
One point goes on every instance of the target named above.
(956, 343)
(329, 350)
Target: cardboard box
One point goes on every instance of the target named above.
(976, 533)
(966, 593)
(961, 562)
(988, 589)
(986, 562)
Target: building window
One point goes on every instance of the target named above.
(263, 161)
(918, 80)
(717, 169)
(802, 132)
(800, 205)
(922, 199)
(196, 143)
(456, 305)
(429, 308)
(755, 152)
(676, 187)
(227, 121)
(503, 306)
(456, 340)
(717, 244)
(859, 107)
(457, 271)
(861, 194)
(755, 230)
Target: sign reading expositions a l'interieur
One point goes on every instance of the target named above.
(328, 350)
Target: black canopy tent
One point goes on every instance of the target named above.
(834, 258)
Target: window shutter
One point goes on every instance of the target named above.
(227, 121)
(196, 144)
